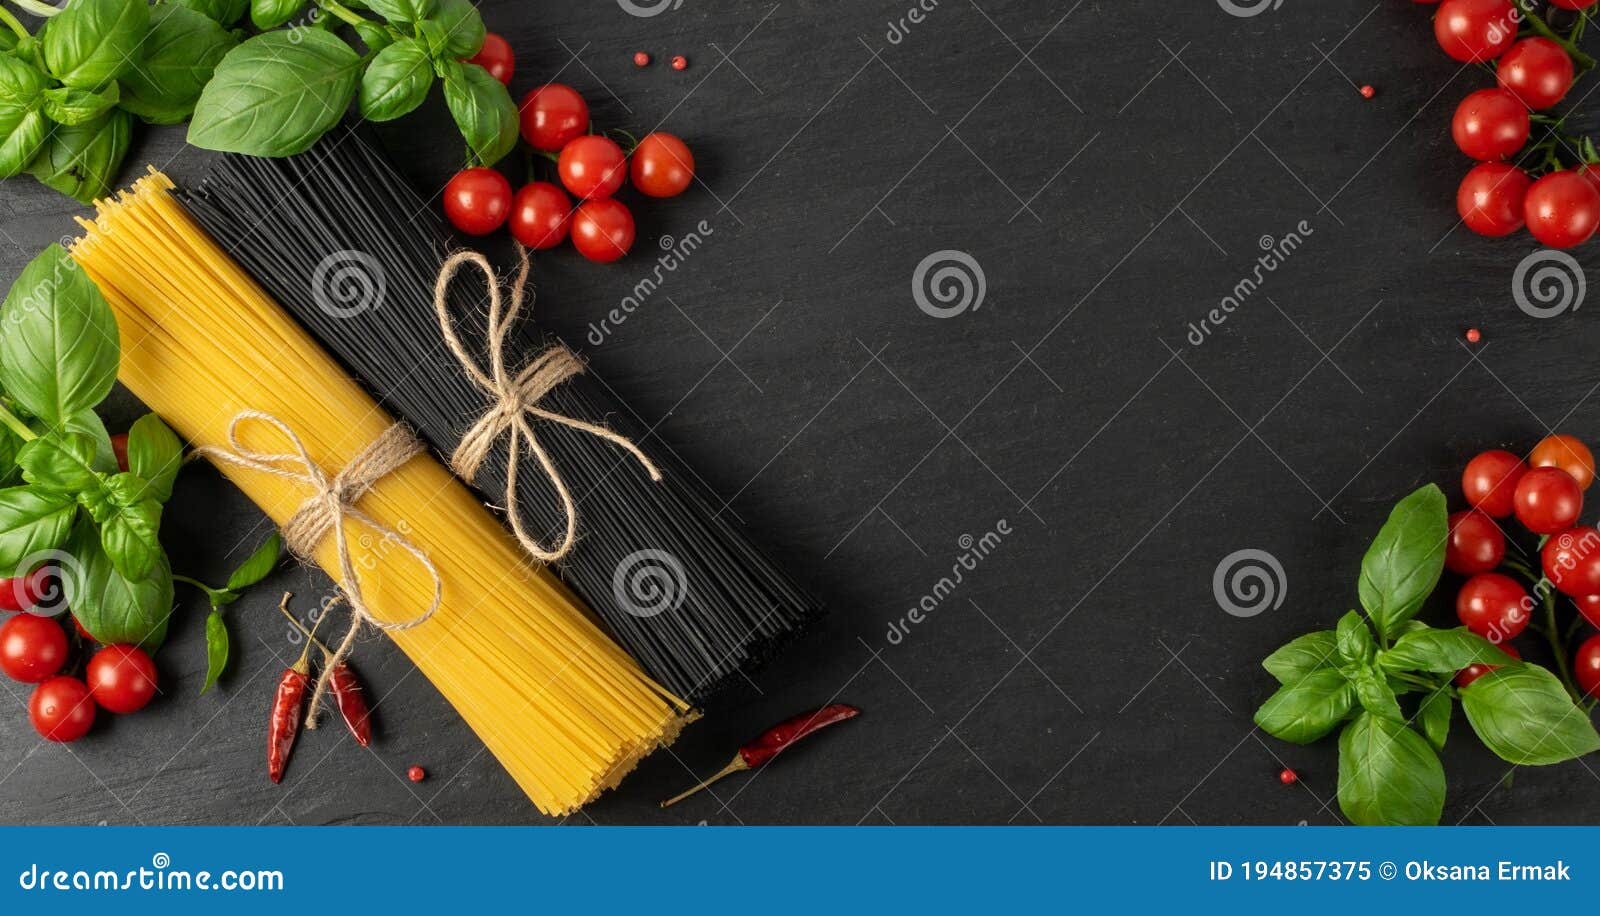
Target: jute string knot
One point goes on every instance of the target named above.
(516, 399)
(332, 501)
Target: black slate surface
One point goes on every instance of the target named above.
(1112, 168)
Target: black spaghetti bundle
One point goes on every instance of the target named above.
(337, 237)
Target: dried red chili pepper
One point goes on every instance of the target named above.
(775, 741)
(346, 687)
(287, 704)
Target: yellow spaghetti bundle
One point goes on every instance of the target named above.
(564, 709)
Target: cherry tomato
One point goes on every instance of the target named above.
(602, 230)
(477, 200)
(496, 57)
(24, 592)
(662, 165)
(78, 625)
(1476, 544)
(1472, 672)
(119, 448)
(541, 214)
(592, 167)
(1475, 30)
(1548, 500)
(1567, 453)
(1490, 124)
(1591, 173)
(1562, 209)
(122, 678)
(32, 648)
(1537, 70)
(553, 116)
(1571, 561)
(1490, 198)
(61, 709)
(1490, 482)
(1494, 606)
(1586, 666)
(1589, 607)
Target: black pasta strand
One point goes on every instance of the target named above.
(339, 213)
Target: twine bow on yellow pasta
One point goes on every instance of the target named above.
(329, 503)
(516, 398)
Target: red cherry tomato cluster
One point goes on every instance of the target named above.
(36, 650)
(1544, 493)
(589, 167)
(1558, 201)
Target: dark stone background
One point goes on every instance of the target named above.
(1111, 166)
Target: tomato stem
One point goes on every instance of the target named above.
(1584, 61)
(1558, 645)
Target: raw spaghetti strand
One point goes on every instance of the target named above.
(562, 707)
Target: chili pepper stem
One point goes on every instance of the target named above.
(736, 766)
(310, 634)
(303, 664)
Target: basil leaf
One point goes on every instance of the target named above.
(1374, 693)
(10, 444)
(60, 352)
(397, 81)
(92, 42)
(1388, 775)
(23, 126)
(275, 94)
(1403, 564)
(130, 532)
(180, 56)
(1441, 651)
(88, 422)
(483, 111)
(1523, 714)
(258, 565)
(155, 454)
(216, 649)
(1301, 656)
(269, 14)
(113, 608)
(61, 461)
(222, 12)
(71, 106)
(32, 519)
(81, 161)
(400, 11)
(1354, 639)
(1434, 716)
(461, 27)
(374, 36)
(1307, 709)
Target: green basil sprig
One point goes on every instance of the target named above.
(256, 567)
(67, 502)
(1386, 679)
(275, 94)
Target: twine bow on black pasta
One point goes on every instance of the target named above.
(355, 256)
